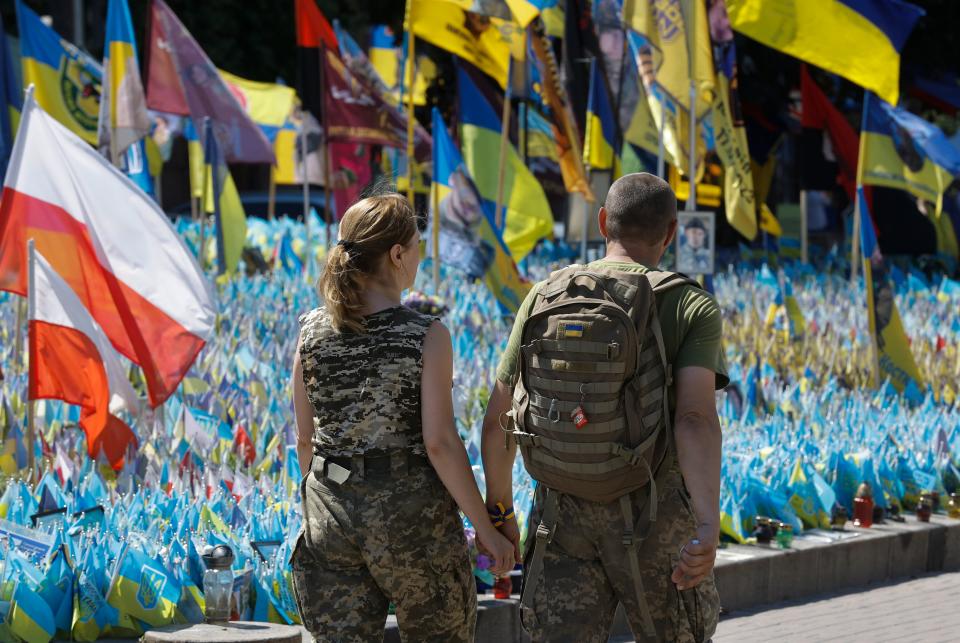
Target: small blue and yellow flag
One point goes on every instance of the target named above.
(860, 40)
(31, 618)
(143, 589)
(901, 150)
(469, 238)
(66, 81)
(599, 151)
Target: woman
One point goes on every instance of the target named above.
(376, 436)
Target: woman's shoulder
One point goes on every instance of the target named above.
(313, 320)
(413, 319)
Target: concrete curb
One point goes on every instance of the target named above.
(748, 576)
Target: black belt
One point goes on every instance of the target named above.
(340, 468)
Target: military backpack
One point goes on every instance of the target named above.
(590, 406)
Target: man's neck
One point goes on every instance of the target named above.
(620, 253)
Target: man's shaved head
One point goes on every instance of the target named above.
(640, 207)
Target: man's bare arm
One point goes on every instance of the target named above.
(698, 437)
(498, 458)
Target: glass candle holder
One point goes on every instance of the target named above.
(217, 583)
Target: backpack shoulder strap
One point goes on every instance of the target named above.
(664, 280)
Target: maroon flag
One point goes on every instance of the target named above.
(182, 80)
(356, 112)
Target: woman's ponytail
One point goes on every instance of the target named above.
(368, 230)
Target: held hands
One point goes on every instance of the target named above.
(697, 558)
(493, 544)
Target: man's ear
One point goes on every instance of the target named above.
(671, 233)
(602, 221)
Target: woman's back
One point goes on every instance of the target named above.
(365, 387)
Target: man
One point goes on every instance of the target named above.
(585, 569)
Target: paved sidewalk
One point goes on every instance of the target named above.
(919, 610)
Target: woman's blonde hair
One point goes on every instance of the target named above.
(369, 228)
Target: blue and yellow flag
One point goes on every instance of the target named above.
(10, 102)
(142, 588)
(468, 235)
(66, 81)
(210, 180)
(600, 137)
(528, 214)
(31, 618)
(901, 150)
(860, 40)
(124, 105)
(784, 315)
(894, 358)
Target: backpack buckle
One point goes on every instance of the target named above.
(632, 457)
(613, 351)
(627, 538)
(544, 533)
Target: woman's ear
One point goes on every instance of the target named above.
(396, 255)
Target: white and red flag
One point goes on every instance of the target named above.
(72, 360)
(110, 242)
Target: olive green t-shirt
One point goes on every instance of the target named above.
(689, 319)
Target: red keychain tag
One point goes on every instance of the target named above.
(579, 417)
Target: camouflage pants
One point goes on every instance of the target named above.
(586, 572)
(373, 541)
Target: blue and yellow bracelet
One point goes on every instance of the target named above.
(501, 515)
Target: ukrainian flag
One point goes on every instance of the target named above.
(500, 275)
(143, 589)
(901, 150)
(125, 104)
(893, 356)
(384, 55)
(599, 141)
(860, 40)
(529, 217)
(31, 618)
(66, 81)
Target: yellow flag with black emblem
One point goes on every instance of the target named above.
(66, 81)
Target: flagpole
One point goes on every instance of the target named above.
(504, 141)
(327, 188)
(661, 152)
(18, 341)
(692, 53)
(31, 314)
(272, 194)
(857, 221)
(204, 195)
(305, 178)
(409, 72)
(435, 194)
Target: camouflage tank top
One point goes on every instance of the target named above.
(365, 387)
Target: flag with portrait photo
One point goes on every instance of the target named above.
(182, 80)
(528, 215)
(901, 150)
(483, 41)
(468, 235)
(893, 355)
